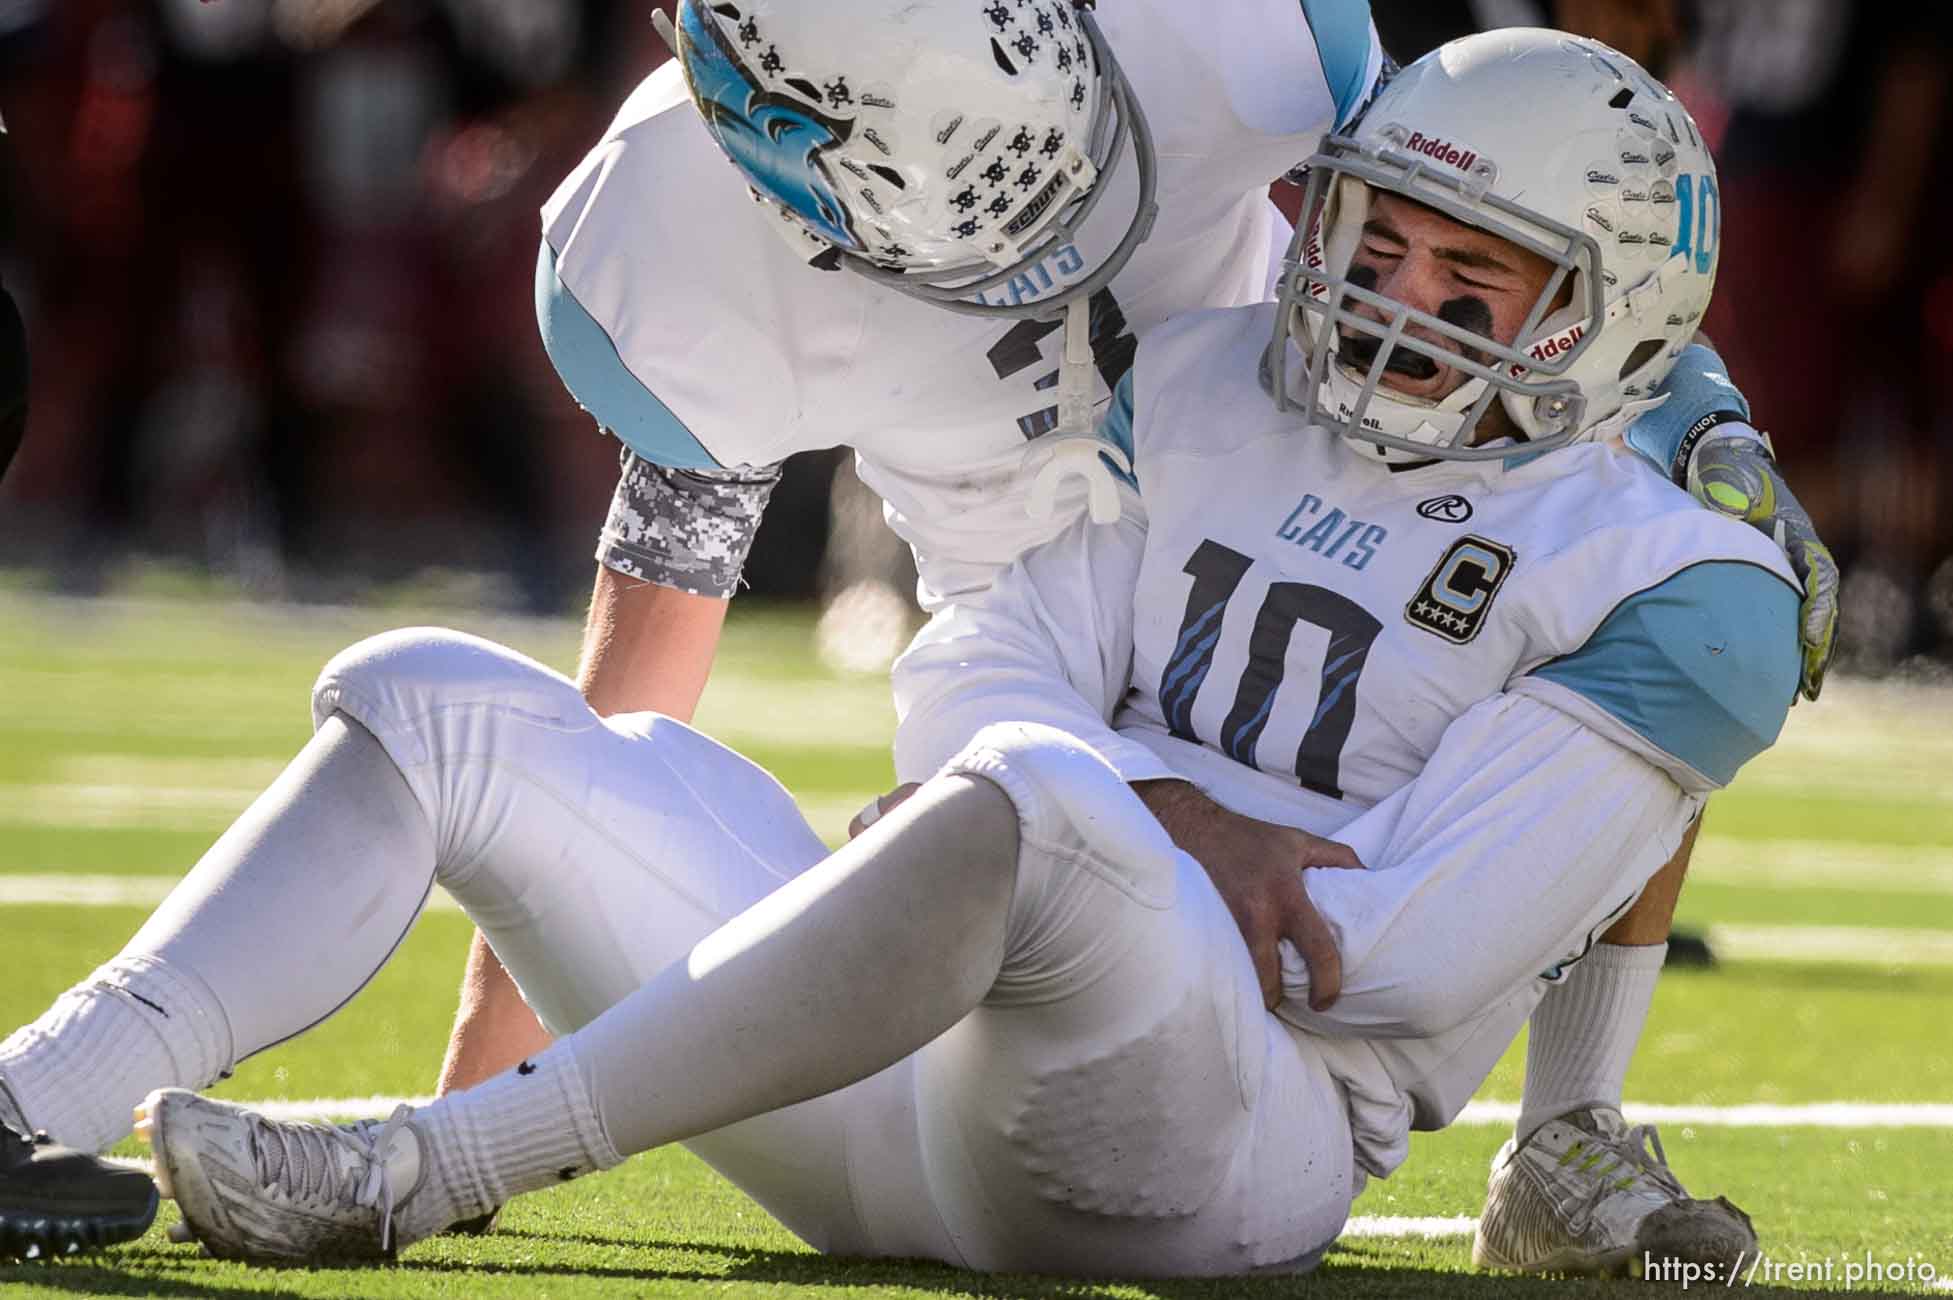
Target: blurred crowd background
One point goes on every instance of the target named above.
(275, 260)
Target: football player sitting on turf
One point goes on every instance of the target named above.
(1011, 1025)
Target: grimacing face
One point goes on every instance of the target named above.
(1464, 276)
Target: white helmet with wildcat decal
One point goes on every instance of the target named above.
(939, 147)
(1558, 144)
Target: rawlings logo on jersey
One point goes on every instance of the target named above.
(1456, 597)
(777, 141)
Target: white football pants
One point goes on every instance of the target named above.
(1121, 1102)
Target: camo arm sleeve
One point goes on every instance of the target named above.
(684, 528)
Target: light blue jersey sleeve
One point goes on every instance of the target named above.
(1352, 56)
(1696, 673)
(586, 359)
(1700, 397)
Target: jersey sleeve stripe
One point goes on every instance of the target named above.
(1115, 426)
(585, 357)
(1352, 56)
(1702, 666)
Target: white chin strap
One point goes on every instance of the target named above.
(1074, 449)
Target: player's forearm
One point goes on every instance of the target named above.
(1521, 807)
(493, 1028)
(647, 647)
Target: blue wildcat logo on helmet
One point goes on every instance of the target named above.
(776, 141)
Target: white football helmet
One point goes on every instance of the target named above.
(937, 146)
(1558, 144)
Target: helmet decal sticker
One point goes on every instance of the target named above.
(779, 143)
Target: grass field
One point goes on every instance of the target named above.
(132, 732)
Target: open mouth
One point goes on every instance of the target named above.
(1361, 352)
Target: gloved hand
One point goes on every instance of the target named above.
(1737, 475)
(1700, 437)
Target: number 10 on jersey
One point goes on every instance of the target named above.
(1217, 572)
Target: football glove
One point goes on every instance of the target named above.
(1700, 437)
(1736, 475)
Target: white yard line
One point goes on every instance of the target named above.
(1397, 1225)
(1836, 944)
(123, 806)
(79, 890)
(1824, 864)
(1849, 945)
(1819, 1114)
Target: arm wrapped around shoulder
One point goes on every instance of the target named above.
(1696, 673)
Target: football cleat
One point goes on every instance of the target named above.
(57, 1201)
(266, 1190)
(1587, 1193)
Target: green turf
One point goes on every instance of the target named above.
(664, 1225)
(102, 706)
(1708, 902)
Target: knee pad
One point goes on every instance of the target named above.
(1070, 801)
(406, 684)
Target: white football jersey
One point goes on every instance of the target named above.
(1297, 628)
(735, 352)
(1305, 622)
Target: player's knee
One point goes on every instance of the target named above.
(1059, 781)
(1069, 799)
(404, 685)
(1437, 1009)
(1427, 1002)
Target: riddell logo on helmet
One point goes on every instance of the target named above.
(1312, 258)
(1557, 346)
(1442, 150)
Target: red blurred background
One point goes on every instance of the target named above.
(275, 259)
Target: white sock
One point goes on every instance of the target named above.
(133, 1025)
(526, 1128)
(1584, 1031)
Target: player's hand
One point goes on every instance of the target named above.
(875, 808)
(1738, 477)
(1257, 868)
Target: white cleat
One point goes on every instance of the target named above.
(1586, 1193)
(264, 1190)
